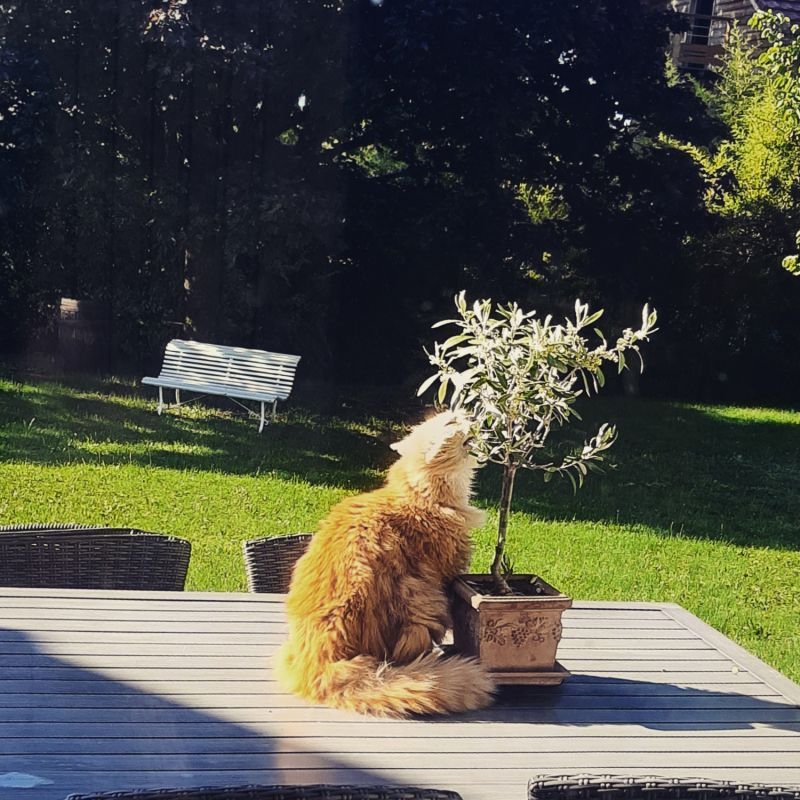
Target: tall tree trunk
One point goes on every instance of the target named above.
(74, 214)
(188, 167)
(110, 278)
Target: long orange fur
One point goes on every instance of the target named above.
(367, 602)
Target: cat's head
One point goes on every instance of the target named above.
(439, 448)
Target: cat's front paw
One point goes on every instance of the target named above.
(439, 629)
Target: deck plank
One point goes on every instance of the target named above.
(532, 745)
(116, 690)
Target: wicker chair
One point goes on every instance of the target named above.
(270, 560)
(618, 787)
(279, 793)
(67, 556)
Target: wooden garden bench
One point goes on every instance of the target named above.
(237, 373)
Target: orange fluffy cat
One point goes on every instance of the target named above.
(367, 601)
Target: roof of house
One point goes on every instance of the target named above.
(791, 8)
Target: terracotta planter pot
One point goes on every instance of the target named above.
(516, 637)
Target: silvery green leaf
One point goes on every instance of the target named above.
(427, 384)
(453, 340)
(572, 481)
(593, 317)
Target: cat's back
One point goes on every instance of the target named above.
(355, 538)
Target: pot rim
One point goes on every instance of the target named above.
(556, 600)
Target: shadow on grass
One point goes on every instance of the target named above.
(681, 470)
(52, 424)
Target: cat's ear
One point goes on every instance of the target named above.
(399, 447)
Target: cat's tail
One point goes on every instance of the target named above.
(428, 685)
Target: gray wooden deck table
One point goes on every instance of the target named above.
(120, 690)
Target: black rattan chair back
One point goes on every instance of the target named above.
(317, 792)
(270, 560)
(619, 787)
(60, 556)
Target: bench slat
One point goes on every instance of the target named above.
(234, 377)
(223, 351)
(227, 366)
(205, 358)
(217, 389)
(227, 375)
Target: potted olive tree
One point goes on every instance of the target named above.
(518, 378)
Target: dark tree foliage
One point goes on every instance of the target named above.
(321, 176)
(167, 187)
(472, 102)
(22, 85)
(739, 304)
(740, 309)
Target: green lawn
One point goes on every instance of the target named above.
(702, 509)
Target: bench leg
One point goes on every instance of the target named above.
(274, 408)
(177, 397)
(160, 399)
(261, 426)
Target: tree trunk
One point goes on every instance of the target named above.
(500, 583)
